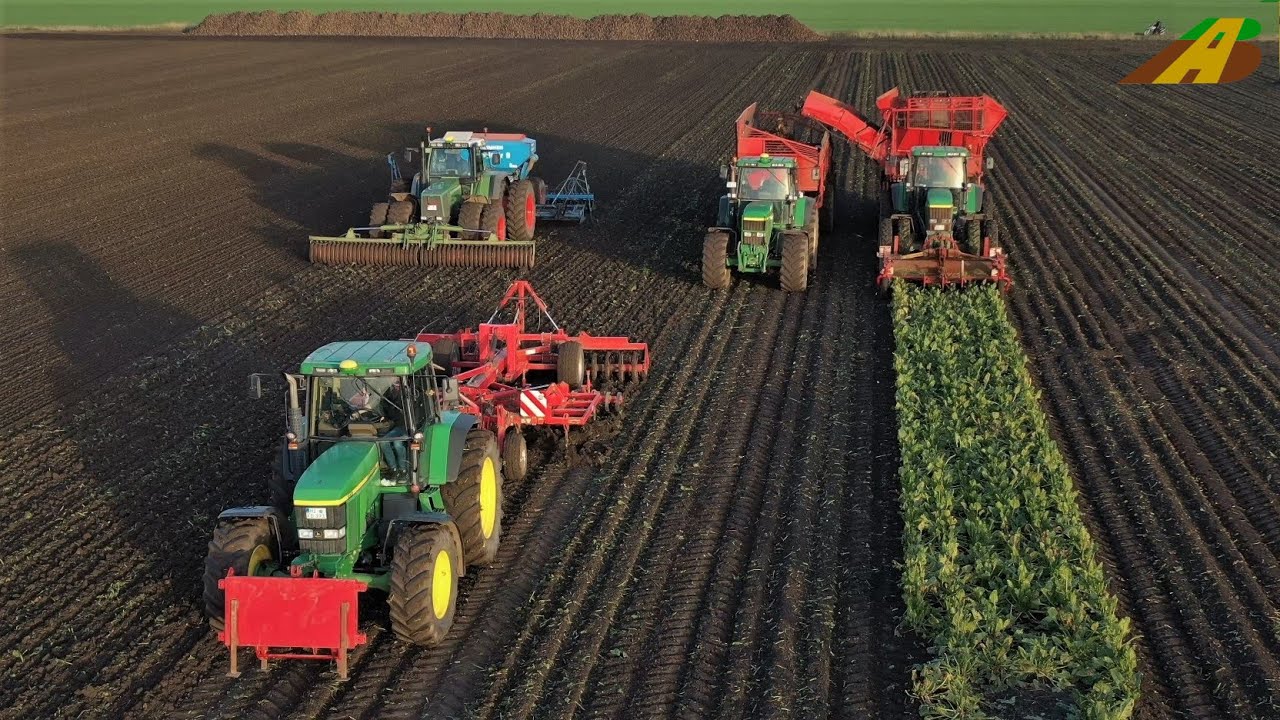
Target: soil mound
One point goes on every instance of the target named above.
(726, 28)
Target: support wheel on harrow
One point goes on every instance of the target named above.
(469, 215)
(377, 217)
(515, 455)
(474, 499)
(522, 210)
(795, 261)
(570, 364)
(244, 545)
(715, 255)
(423, 596)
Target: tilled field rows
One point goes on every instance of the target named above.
(733, 554)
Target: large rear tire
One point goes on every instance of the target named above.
(469, 215)
(493, 219)
(570, 364)
(424, 584)
(377, 217)
(474, 499)
(241, 544)
(400, 213)
(522, 210)
(715, 256)
(795, 261)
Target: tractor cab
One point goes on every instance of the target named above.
(762, 201)
(936, 191)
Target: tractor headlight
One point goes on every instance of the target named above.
(335, 533)
(306, 534)
(317, 513)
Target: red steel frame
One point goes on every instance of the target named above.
(929, 120)
(812, 162)
(314, 613)
(497, 358)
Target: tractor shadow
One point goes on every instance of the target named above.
(165, 442)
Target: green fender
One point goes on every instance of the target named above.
(443, 443)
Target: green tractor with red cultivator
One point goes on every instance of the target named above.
(937, 221)
(472, 203)
(390, 476)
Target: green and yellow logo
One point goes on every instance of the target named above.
(1215, 51)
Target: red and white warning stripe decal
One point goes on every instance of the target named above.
(533, 404)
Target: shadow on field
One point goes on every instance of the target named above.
(163, 443)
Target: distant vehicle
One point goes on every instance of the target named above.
(1155, 28)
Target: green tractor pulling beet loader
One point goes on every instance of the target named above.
(390, 477)
(472, 203)
(777, 192)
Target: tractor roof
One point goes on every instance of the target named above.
(940, 151)
(767, 161)
(371, 357)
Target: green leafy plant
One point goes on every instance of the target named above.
(999, 570)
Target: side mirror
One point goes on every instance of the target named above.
(724, 172)
(255, 386)
(991, 162)
(408, 154)
(904, 166)
(497, 158)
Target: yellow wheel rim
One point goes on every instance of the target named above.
(261, 554)
(488, 498)
(441, 584)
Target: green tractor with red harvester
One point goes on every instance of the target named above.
(777, 203)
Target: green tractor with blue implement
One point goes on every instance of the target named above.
(472, 203)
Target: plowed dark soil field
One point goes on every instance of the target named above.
(732, 553)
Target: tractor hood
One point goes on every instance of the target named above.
(940, 198)
(337, 475)
(758, 210)
(439, 197)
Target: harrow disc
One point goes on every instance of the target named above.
(606, 367)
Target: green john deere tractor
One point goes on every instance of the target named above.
(937, 198)
(379, 480)
(775, 225)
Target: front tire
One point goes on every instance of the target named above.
(241, 544)
(469, 215)
(400, 213)
(423, 596)
(715, 257)
(474, 499)
(795, 261)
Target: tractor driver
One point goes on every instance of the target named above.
(454, 162)
(766, 184)
(378, 401)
